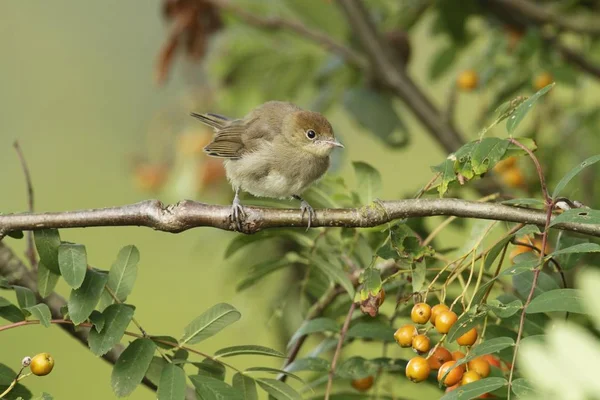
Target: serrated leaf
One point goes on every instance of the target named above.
(314, 364)
(475, 389)
(521, 111)
(559, 300)
(334, 272)
(578, 248)
(369, 182)
(278, 389)
(523, 388)
(245, 385)
(12, 313)
(72, 261)
(313, 326)
(464, 324)
(577, 215)
(487, 153)
(213, 389)
(130, 368)
(47, 242)
(116, 319)
(572, 173)
(172, 383)
(275, 371)
(82, 301)
(123, 272)
(97, 319)
(41, 312)
(46, 280)
(25, 297)
(210, 322)
(248, 350)
(376, 330)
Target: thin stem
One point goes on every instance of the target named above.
(338, 349)
(30, 252)
(18, 378)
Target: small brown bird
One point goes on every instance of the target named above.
(278, 150)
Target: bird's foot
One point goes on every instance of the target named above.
(237, 213)
(307, 208)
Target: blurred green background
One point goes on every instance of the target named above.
(77, 91)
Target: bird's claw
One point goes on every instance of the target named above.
(307, 208)
(237, 213)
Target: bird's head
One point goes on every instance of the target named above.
(311, 132)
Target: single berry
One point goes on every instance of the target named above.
(421, 344)
(468, 339)
(41, 364)
(405, 334)
(363, 384)
(435, 311)
(454, 376)
(479, 365)
(469, 376)
(438, 357)
(417, 369)
(420, 314)
(445, 320)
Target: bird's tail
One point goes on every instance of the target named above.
(214, 120)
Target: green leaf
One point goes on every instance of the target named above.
(521, 111)
(371, 282)
(4, 302)
(97, 319)
(418, 272)
(7, 375)
(488, 347)
(72, 260)
(565, 240)
(44, 396)
(522, 284)
(262, 269)
(369, 182)
(464, 324)
(211, 368)
(475, 389)
(130, 368)
(213, 389)
(494, 252)
(12, 313)
(442, 61)
(25, 297)
(239, 242)
(504, 310)
(578, 248)
(46, 280)
(446, 168)
(248, 350)
(275, 371)
(376, 330)
(123, 272)
(334, 272)
(577, 215)
(487, 153)
(245, 385)
(571, 174)
(523, 388)
(314, 364)
(83, 300)
(313, 326)
(565, 300)
(47, 242)
(172, 383)
(278, 389)
(116, 319)
(209, 323)
(169, 339)
(356, 368)
(41, 312)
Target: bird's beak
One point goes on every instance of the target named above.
(333, 143)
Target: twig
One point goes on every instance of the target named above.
(338, 349)
(17, 273)
(319, 38)
(30, 252)
(190, 214)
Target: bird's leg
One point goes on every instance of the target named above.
(306, 208)
(237, 211)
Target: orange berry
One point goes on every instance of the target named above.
(453, 376)
(513, 177)
(436, 310)
(468, 80)
(421, 344)
(542, 80)
(469, 376)
(505, 164)
(438, 357)
(405, 334)
(480, 365)
(417, 369)
(420, 314)
(457, 355)
(445, 320)
(363, 384)
(468, 339)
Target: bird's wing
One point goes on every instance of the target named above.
(230, 140)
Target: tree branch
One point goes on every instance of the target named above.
(189, 214)
(17, 273)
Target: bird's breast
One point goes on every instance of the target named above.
(266, 173)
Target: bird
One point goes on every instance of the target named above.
(277, 150)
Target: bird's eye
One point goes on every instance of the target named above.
(311, 134)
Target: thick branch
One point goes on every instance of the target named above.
(189, 214)
(17, 273)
